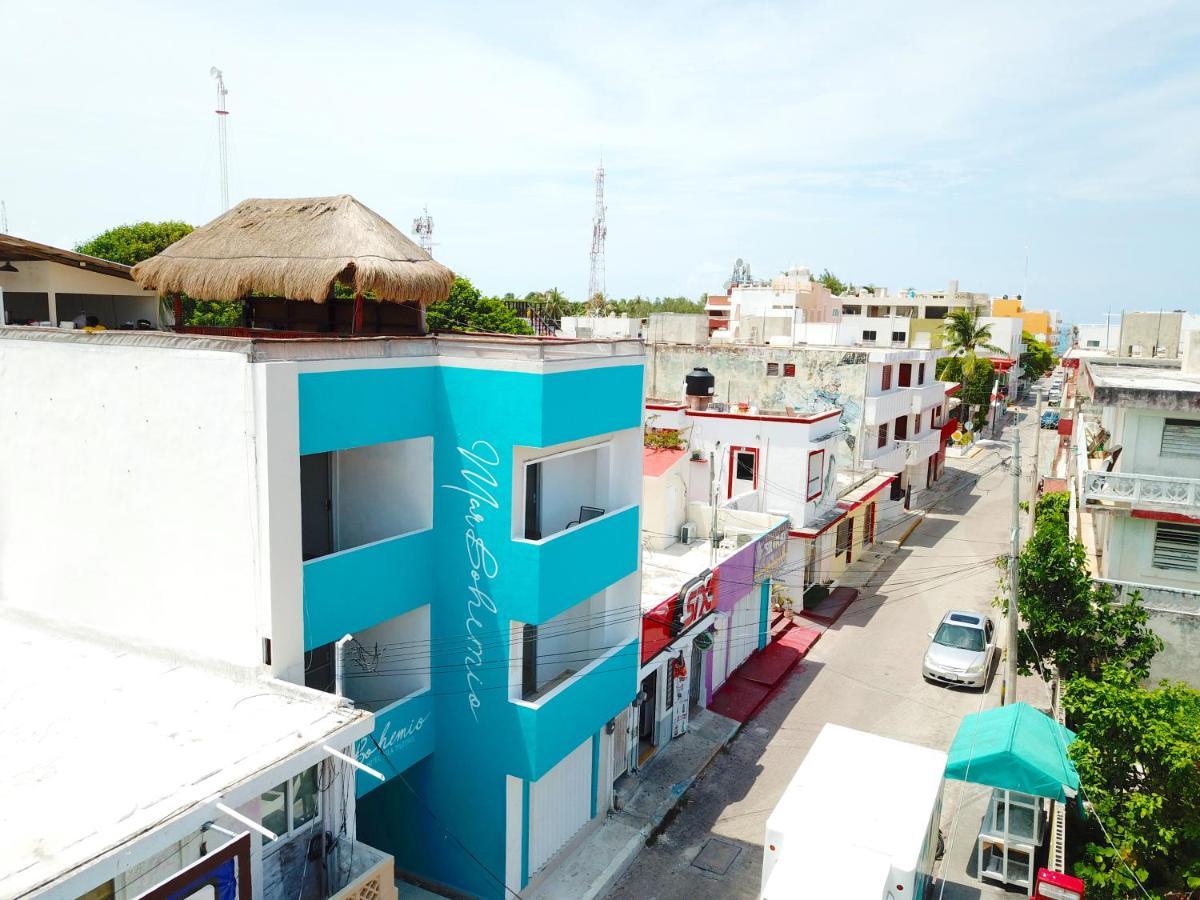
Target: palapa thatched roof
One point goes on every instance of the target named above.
(297, 249)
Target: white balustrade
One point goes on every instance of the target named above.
(1146, 491)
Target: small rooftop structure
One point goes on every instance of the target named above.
(43, 285)
(1143, 385)
(116, 741)
(297, 250)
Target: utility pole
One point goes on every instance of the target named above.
(1008, 693)
(1037, 440)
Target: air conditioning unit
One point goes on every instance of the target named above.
(687, 533)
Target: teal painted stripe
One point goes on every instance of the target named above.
(764, 613)
(595, 770)
(568, 416)
(524, 832)
(357, 407)
(362, 587)
(549, 578)
(581, 708)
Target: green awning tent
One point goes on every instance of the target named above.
(1017, 748)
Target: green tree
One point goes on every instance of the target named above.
(976, 386)
(1076, 625)
(466, 309)
(1137, 754)
(836, 286)
(130, 244)
(1038, 358)
(963, 334)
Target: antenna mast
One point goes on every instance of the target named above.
(3, 218)
(222, 137)
(599, 233)
(423, 229)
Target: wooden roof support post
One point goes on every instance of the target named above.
(178, 303)
(356, 326)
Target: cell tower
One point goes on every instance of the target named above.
(599, 233)
(3, 218)
(222, 137)
(423, 229)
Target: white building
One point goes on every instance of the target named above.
(1104, 337)
(1137, 444)
(48, 286)
(756, 313)
(298, 509)
(133, 767)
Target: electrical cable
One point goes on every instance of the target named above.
(436, 818)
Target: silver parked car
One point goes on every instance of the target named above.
(961, 650)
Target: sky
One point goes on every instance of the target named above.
(1018, 147)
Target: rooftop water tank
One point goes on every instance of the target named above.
(700, 385)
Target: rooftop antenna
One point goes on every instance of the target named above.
(599, 233)
(423, 229)
(3, 218)
(222, 137)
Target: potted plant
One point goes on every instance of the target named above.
(815, 594)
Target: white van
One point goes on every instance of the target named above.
(859, 819)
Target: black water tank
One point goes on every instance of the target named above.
(700, 383)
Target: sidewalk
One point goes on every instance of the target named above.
(645, 802)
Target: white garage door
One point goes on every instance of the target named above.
(743, 639)
(720, 651)
(560, 803)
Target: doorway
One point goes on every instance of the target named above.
(694, 669)
(648, 719)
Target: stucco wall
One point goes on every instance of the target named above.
(128, 493)
(824, 377)
(1151, 329)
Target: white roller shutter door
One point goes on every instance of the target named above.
(560, 803)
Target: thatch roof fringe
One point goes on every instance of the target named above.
(297, 249)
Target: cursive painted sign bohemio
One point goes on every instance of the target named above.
(478, 483)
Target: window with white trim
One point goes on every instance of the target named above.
(291, 807)
(1181, 437)
(868, 334)
(1176, 547)
(816, 473)
(772, 368)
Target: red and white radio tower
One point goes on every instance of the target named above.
(222, 137)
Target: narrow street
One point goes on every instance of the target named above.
(864, 673)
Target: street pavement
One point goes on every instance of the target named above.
(865, 673)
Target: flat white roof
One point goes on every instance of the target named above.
(104, 742)
(873, 792)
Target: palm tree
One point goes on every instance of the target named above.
(962, 335)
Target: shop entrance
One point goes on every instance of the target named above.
(647, 718)
(694, 665)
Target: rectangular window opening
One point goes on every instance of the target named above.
(772, 368)
(816, 473)
(1181, 437)
(358, 496)
(564, 491)
(868, 335)
(789, 370)
(886, 383)
(901, 428)
(883, 436)
(898, 337)
(1176, 547)
(905, 374)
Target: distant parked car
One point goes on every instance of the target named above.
(961, 650)
(1054, 399)
(1050, 419)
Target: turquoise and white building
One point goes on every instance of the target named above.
(443, 530)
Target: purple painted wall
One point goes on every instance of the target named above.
(737, 577)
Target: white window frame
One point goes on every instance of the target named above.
(293, 831)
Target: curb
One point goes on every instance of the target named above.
(625, 858)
